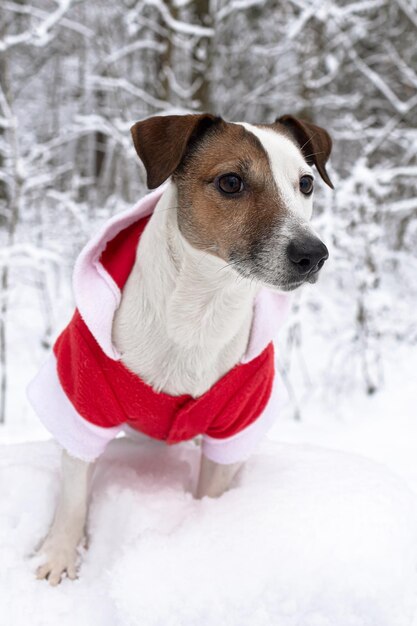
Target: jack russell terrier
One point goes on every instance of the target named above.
(178, 300)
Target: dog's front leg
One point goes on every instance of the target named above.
(215, 478)
(67, 530)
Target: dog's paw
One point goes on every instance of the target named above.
(60, 557)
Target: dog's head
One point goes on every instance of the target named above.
(245, 192)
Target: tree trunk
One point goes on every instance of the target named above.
(202, 56)
(12, 203)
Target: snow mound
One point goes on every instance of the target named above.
(308, 537)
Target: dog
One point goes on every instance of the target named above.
(178, 300)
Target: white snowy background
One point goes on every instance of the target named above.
(321, 527)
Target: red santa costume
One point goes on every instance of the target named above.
(85, 395)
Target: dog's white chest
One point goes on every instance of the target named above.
(168, 365)
(183, 321)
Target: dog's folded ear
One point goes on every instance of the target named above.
(315, 142)
(162, 141)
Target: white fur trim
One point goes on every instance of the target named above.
(270, 312)
(96, 294)
(239, 447)
(79, 437)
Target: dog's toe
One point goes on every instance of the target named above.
(72, 572)
(55, 576)
(59, 560)
(43, 571)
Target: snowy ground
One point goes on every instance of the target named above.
(308, 537)
(320, 530)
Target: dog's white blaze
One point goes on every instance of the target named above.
(287, 166)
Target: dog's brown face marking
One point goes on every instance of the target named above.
(227, 224)
(253, 220)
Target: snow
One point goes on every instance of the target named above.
(307, 537)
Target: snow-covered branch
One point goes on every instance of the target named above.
(146, 44)
(236, 6)
(41, 34)
(177, 26)
(110, 84)
(30, 10)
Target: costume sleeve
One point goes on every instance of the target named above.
(79, 437)
(240, 447)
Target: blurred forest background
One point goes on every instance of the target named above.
(75, 75)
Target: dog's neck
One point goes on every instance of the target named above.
(185, 316)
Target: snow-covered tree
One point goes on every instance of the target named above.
(74, 75)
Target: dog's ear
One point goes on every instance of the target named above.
(161, 142)
(315, 142)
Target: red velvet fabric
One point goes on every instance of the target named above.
(106, 393)
(120, 253)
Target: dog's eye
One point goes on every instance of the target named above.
(229, 183)
(306, 185)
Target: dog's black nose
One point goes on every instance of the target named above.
(308, 255)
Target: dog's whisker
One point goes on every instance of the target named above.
(232, 263)
(308, 141)
(207, 252)
(307, 156)
(170, 208)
